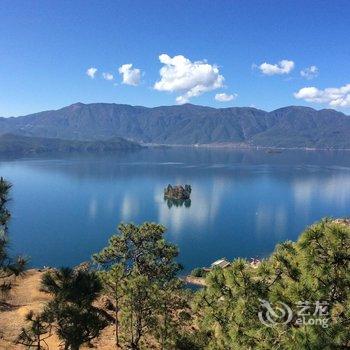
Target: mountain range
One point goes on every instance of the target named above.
(288, 127)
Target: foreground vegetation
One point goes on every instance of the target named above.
(9, 266)
(133, 287)
(312, 270)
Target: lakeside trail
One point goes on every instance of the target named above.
(26, 296)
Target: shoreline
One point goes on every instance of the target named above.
(243, 147)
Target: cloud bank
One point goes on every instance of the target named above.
(282, 67)
(131, 76)
(188, 78)
(334, 97)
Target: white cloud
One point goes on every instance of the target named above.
(282, 67)
(335, 97)
(223, 97)
(190, 79)
(91, 72)
(131, 76)
(107, 76)
(309, 72)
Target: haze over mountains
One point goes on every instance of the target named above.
(288, 127)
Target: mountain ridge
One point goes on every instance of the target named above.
(188, 124)
(12, 144)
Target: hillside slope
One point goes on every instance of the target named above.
(188, 124)
(24, 145)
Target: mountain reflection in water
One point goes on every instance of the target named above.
(242, 202)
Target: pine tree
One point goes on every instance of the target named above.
(72, 312)
(8, 266)
(314, 270)
(139, 265)
(111, 281)
(35, 335)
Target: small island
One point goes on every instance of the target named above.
(178, 192)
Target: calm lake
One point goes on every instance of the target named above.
(242, 203)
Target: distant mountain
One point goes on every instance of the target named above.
(23, 145)
(289, 127)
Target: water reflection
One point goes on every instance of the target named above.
(242, 202)
(129, 208)
(177, 202)
(199, 212)
(92, 208)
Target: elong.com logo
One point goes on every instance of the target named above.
(307, 313)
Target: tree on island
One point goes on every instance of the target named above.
(8, 266)
(71, 312)
(139, 267)
(313, 271)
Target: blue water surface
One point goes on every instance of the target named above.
(64, 208)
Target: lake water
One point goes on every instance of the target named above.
(242, 203)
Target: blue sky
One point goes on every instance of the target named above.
(246, 53)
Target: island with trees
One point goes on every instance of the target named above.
(178, 196)
(178, 192)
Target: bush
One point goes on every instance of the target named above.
(198, 272)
